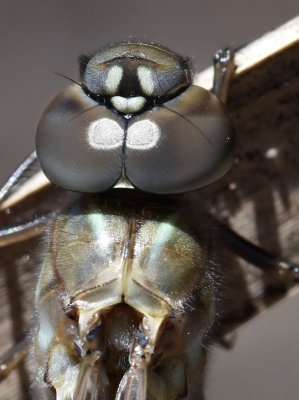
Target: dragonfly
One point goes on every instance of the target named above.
(131, 292)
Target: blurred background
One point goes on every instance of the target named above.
(38, 38)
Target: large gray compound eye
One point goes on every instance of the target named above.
(184, 145)
(135, 119)
(79, 142)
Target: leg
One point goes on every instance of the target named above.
(18, 187)
(287, 271)
(14, 356)
(23, 231)
(223, 71)
(15, 178)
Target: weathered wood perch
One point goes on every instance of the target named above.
(258, 198)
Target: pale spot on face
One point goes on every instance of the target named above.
(271, 153)
(113, 79)
(128, 105)
(105, 134)
(146, 80)
(143, 135)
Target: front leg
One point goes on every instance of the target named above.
(287, 271)
(224, 67)
(10, 360)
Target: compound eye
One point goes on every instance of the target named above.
(184, 145)
(71, 134)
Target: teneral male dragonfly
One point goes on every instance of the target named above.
(131, 289)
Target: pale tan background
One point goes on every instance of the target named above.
(40, 37)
